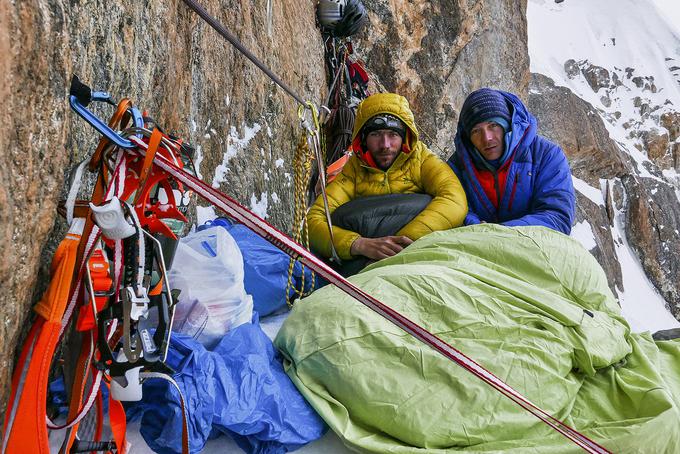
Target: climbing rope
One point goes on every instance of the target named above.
(314, 134)
(302, 170)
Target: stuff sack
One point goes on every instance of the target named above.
(208, 271)
(265, 268)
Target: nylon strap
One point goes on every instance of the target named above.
(118, 423)
(283, 242)
(154, 142)
(314, 134)
(185, 426)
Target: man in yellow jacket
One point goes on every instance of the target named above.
(387, 158)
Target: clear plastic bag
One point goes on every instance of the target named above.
(208, 269)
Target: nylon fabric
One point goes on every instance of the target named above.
(517, 300)
(238, 388)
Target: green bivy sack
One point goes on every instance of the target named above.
(530, 305)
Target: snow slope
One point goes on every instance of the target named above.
(630, 39)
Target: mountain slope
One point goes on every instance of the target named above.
(627, 67)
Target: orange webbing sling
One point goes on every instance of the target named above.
(117, 121)
(24, 427)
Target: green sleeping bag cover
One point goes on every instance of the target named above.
(530, 305)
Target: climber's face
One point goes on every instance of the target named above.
(384, 146)
(488, 139)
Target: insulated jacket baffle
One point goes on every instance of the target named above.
(538, 188)
(416, 170)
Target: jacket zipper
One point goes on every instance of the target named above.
(479, 196)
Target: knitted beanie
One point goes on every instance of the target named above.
(482, 105)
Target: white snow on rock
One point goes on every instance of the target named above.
(235, 143)
(259, 207)
(632, 40)
(583, 233)
(595, 195)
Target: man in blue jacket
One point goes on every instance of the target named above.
(511, 175)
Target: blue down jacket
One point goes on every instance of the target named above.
(538, 189)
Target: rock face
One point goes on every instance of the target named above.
(649, 210)
(436, 52)
(653, 217)
(572, 123)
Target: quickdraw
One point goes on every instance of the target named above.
(347, 87)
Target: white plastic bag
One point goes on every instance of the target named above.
(208, 269)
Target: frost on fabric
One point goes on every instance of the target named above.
(235, 144)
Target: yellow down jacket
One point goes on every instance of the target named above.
(416, 171)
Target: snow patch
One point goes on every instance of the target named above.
(594, 194)
(637, 49)
(583, 233)
(641, 304)
(198, 159)
(235, 143)
(259, 207)
(279, 163)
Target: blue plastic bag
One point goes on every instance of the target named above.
(265, 268)
(239, 389)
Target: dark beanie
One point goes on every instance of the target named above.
(481, 105)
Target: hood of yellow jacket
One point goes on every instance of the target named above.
(390, 103)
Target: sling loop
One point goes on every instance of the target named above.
(315, 135)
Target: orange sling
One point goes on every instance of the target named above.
(24, 427)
